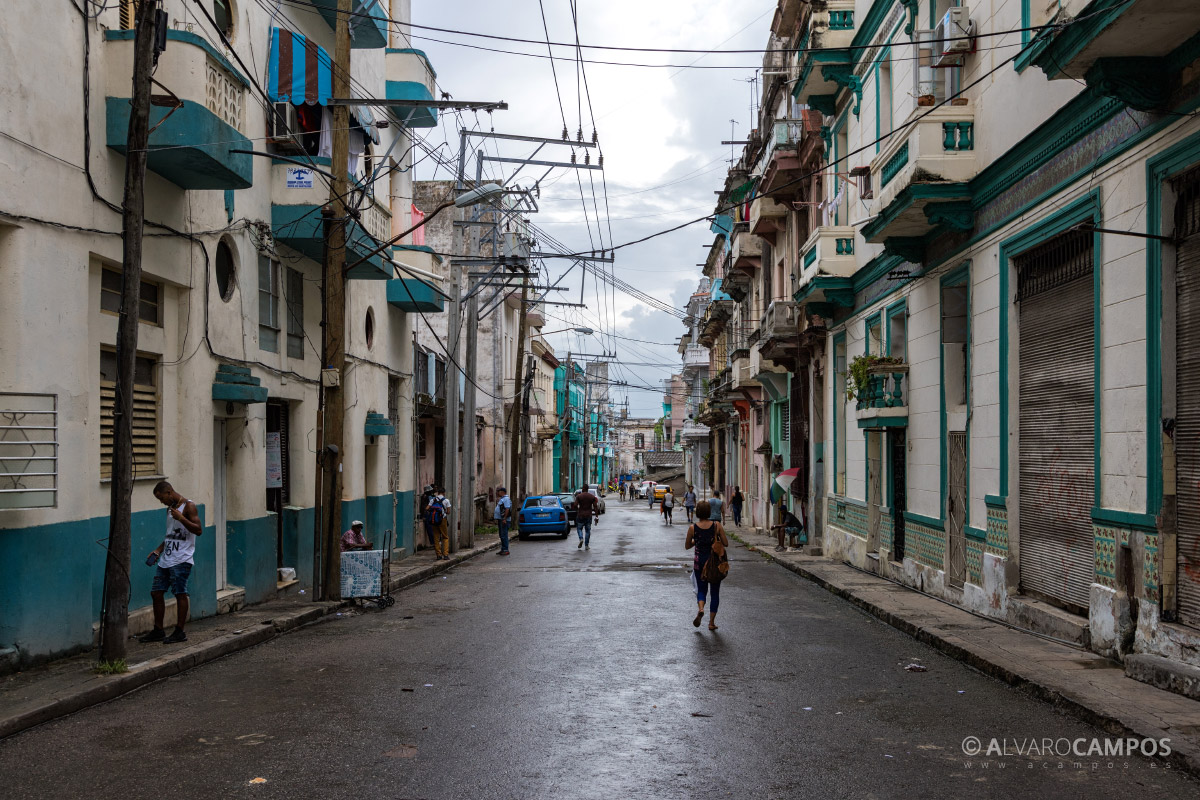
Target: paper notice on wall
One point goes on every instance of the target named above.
(299, 178)
(274, 462)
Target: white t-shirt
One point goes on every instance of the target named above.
(179, 545)
(668, 500)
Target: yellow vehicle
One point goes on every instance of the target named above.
(660, 491)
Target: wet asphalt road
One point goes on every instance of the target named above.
(561, 673)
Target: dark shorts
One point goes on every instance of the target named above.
(174, 578)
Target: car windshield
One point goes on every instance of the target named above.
(566, 498)
(541, 502)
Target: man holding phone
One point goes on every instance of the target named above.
(173, 560)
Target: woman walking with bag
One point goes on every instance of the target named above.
(710, 541)
(668, 504)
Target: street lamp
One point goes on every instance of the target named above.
(584, 331)
(480, 194)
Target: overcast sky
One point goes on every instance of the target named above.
(656, 126)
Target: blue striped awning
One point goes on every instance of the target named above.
(300, 70)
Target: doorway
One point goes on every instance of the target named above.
(899, 474)
(218, 503)
(956, 509)
(278, 494)
(874, 488)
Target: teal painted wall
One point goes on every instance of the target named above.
(52, 579)
(406, 511)
(251, 557)
(298, 543)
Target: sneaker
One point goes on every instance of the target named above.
(176, 636)
(587, 547)
(580, 544)
(156, 635)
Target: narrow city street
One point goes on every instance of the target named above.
(568, 673)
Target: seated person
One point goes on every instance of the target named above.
(791, 527)
(353, 539)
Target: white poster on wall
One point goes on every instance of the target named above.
(274, 462)
(299, 178)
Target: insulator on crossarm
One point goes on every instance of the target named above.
(600, 160)
(595, 140)
(587, 158)
(565, 134)
(573, 157)
(579, 135)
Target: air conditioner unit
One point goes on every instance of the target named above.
(952, 39)
(283, 126)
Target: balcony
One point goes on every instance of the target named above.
(535, 316)
(794, 142)
(694, 431)
(418, 256)
(920, 178)
(829, 251)
(297, 196)
(881, 403)
(410, 76)
(695, 357)
(767, 217)
(1128, 49)
(825, 58)
(191, 145)
(368, 22)
(719, 312)
(737, 285)
(780, 328)
(747, 249)
(413, 296)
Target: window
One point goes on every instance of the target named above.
(874, 336)
(639, 441)
(28, 450)
(128, 14)
(897, 345)
(839, 414)
(145, 413)
(149, 306)
(420, 430)
(883, 96)
(785, 420)
(955, 341)
(226, 271)
(295, 313)
(369, 328)
(268, 305)
(223, 15)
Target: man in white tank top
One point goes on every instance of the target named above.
(173, 560)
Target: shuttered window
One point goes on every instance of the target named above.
(145, 414)
(268, 305)
(1057, 420)
(1187, 398)
(785, 420)
(295, 313)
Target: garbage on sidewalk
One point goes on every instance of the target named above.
(916, 668)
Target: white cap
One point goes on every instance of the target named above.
(356, 524)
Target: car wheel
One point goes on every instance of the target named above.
(524, 537)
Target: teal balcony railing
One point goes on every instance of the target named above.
(885, 387)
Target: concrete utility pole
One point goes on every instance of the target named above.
(114, 625)
(469, 456)
(514, 422)
(332, 454)
(453, 381)
(587, 426)
(564, 431)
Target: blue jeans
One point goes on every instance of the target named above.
(737, 514)
(502, 524)
(174, 578)
(582, 525)
(702, 589)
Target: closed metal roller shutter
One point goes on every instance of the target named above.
(1057, 423)
(1187, 401)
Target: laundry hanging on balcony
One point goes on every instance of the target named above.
(300, 72)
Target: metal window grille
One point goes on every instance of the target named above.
(1056, 263)
(28, 450)
(145, 413)
(785, 420)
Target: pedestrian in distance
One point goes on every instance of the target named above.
(702, 534)
(650, 495)
(503, 515)
(353, 539)
(587, 508)
(173, 561)
(715, 506)
(735, 505)
(668, 505)
(426, 496)
(689, 503)
(436, 514)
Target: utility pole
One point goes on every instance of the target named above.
(526, 444)
(469, 456)
(114, 624)
(332, 454)
(453, 381)
(587, 426)
(514, 427)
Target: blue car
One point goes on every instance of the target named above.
(542, 514)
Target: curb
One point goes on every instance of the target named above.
(101, 689)
(1186, 759)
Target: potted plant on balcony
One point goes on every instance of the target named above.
(858, 374)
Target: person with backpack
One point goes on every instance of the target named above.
(689, 503)
(426, 496)
(710, 540)
(435, 515)
(735, 505)
(668, 504)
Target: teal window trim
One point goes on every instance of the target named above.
(1159, 170)
(838, 127)
(994, 501)
(1085, 209)
(884, 58)
(956, 277)
(896, 308)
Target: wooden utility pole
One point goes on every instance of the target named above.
(335, 313)
(526, 439)
(514, 420)
(453, 408)
(114, 625)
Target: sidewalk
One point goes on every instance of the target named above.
(1077, 681)
(68, 685)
